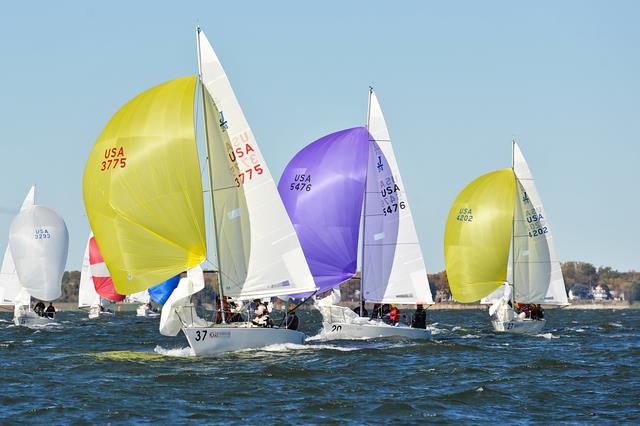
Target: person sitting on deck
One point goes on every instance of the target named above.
(227, 311)
(51, 311)
(39, 308)
(293, 321)
(261, 314)
(361, 310)
(394, 315)
(377, 311)
(419, 318)
(537, 313)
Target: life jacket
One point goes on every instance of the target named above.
(394, 315)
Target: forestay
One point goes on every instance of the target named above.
(39, 244)
(393, 265)
(270, 261)
(11, 292)
(538, 275)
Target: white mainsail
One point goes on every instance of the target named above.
(259, 252)
(393, 265)
(11, 292)
(537, 274)
(87, 295)
(39, 244)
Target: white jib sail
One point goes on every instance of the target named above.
(394, 269)
(275, 264)
(87, 295)
(11, 292)
(537, 274)
(39, 245)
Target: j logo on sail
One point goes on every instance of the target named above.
(223, 122)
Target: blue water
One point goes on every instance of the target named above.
(583, 369)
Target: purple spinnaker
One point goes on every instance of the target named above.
(322, 188)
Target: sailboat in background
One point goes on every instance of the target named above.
(149, 212)
(332, 187)
(496, 221)
(96, 285)
(34, 261)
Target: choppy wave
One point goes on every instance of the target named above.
(174, 352)
(467, 374)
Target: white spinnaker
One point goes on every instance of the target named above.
(11, 292)
(394, 269)
(276, 264)
(39, 244)
(537, 275)
(87, 295)
(173, 315)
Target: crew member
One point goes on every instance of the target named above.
(394, 315)
(292, 319)
(51, 311)
(39, 308)
(419, 318)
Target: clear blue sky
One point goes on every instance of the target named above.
(456, 81)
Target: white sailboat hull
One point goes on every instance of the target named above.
(30, 319)
(206, 341)
(519, 326)
(345, 331)
(96, 313)
(145, 312)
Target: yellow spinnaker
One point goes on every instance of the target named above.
(478, 236)
(143, 191)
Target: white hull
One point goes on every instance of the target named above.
(343, 330)
(220, 339)
(145, 312)
(519, 326)
(31, 319)
(96, 313)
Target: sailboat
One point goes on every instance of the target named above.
(34, 261)
(148, 213)
(332, 188)
(499, 247)
(96, 284)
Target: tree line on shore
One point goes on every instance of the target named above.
(575, 273)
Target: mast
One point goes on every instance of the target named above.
(364, 205)
(213, 204)
(513, 229)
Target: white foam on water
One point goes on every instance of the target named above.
(175, 352)
(470, 336)
(480, 389)
(28, 341)
(289, 347)
(616, 324)
(547, 336)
